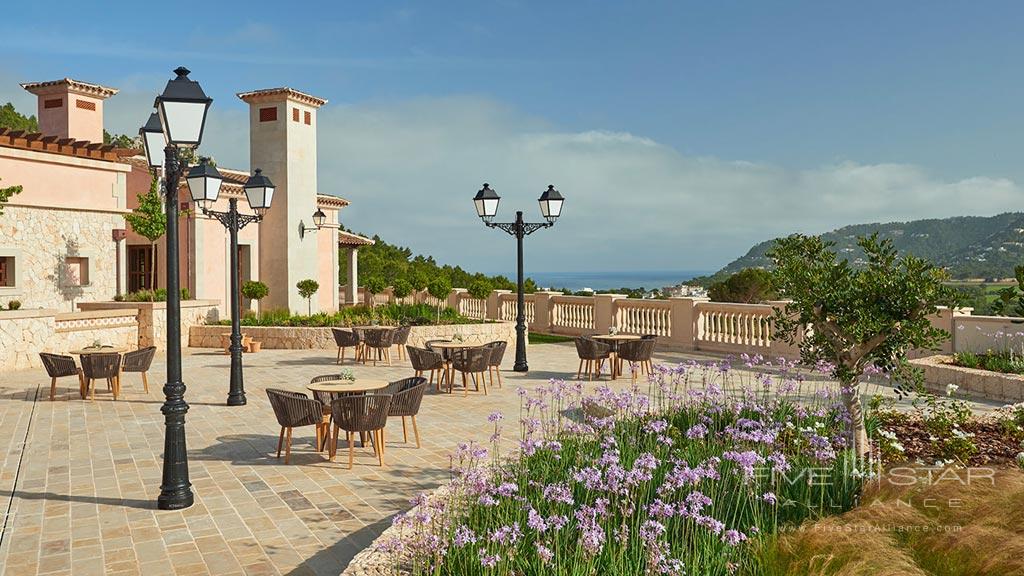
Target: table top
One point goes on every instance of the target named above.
(100, 350)
(452, 344)
(360, 385)
(378, 327)
(616, 337)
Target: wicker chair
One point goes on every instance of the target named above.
(497, 355)
(360, 414)
(472, 361)
(400, 338)
(294, 410)
(406, 396)
(592, 356)
(378, 342)
(105, 365)
(446, 353)
(638, 353)
(59, 366)
(139, 361)
(423, 360)
(345, 339)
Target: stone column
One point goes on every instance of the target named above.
(542, 311)
(494, 304)
(453, 298)
(604, 312)
(684, 322)
(779, 347)
(352, 288)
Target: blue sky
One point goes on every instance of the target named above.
(690, 130)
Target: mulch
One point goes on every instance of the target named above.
(995, 444)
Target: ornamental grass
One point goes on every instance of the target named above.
(682, 475)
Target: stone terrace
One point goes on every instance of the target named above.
(85, 484)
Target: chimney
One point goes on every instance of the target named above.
(71, 109)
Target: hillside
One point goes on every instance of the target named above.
(968, 246)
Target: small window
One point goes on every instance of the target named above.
(76, 271)
(6, 271)
(85, 105)
(268, 114)
(308, 119)
(295, 114)
(53, 103)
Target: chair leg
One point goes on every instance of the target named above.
(416, 431)
(351, 447)
(338, 361)
(53, 388)
(288, 446)
(405, 435)
(145, 382)
(387, 354)
(380, 452)
(81, 384)
(497, 370)
(579, 370)
(280, 441)
(465, 385)
(483, 383)
(92, 390)
(318, 430)
(333, 449)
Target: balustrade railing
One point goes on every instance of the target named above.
(733, 326)
(473, 307)
(572, 312)
(643, 316)
(507, 307)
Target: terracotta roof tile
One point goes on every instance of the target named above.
(66, 146)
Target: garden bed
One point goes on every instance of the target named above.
(939, 372)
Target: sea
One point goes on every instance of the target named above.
(603, 280)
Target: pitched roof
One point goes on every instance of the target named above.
(57, 145)
(350, 239)
(268, 93)
(331, 200)
(72, 84)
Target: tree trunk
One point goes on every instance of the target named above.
(858, 433)
(152, 271)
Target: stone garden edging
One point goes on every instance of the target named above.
(985, 384)
(316, 338)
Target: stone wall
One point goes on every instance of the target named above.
(152, 317)
(41, 240)
(322, 339)
(24, 334)
(983, 384)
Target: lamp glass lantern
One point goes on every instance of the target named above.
(551, 204)
(486, 203)
(182, 109)
(204, 183)
(259, 191)
(153, 140)
(319, 218)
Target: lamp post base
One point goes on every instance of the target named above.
(236, 399)
(175, 500)
(521, 367)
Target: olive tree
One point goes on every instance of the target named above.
(856, 317)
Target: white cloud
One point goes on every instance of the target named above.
(411, 167)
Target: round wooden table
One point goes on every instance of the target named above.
(448, 374)
(99, 350)
(614, 340)
(115, 383)
(348, 386)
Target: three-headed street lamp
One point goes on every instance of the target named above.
(204, 183)
(486, 203)
(177, 125)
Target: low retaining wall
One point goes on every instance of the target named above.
(26, 333)
(285, 337)
(152, 318)
(985, 384)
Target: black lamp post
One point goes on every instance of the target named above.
(486, 203)
(177, 125)
(204, 184)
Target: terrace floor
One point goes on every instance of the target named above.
(79, 480)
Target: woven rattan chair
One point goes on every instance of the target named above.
(59, 366)
(378, 342)
(294, 410)
(406, 396)
(139, 361)
(638, 353)
(400, 338)
(423, 360)
(471, 362)
(345, 339)
(497, 355)
(359, 415)
(592, 356)
(106, 366)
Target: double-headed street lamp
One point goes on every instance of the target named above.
(486, 203)
(176, 125)
(204, 184)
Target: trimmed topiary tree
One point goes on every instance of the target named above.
(857, 317)
(307, 288)
(374, 285)
(440, 287)
(480, 289)
(255, 290)
(401, 288)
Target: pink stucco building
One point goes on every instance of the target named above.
(64, 240)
